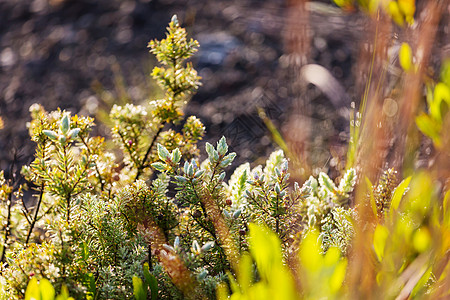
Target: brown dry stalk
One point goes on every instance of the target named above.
(425, 35)
(362, 272)
(222, 231)
(172, 263)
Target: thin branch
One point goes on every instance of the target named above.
(149, 150)
(7, 228)
(36, 212)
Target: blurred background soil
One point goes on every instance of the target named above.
(84, 55)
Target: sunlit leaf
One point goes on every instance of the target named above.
(408, 8)
(429, 127)
(446, 208)
(310, 252)
(265, 248)
(33, 291)
(422, 239)
(245, 272)
(398, 194)
(422, 284)
(405, 57)
(337, 279)
(441, 102)
(138, 289)
(379, 240)
(395, 13)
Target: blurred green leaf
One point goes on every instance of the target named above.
(405, 56)
(445, 72)
(265, 248)
(446, 208)
(395, 13)
(422, 239)
(33, 291)
(42, 290)
(138, 289)
(379, 240)
(429, 127)
(441, 102)
(408, 8)
(398, 194)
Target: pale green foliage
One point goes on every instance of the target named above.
(326, 206)
(237, 185)
(268, 202)
(337, 229)
(90, 204)
(322, 195)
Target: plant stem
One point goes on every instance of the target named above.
(7, 228)
(149, 150)
(33, 222)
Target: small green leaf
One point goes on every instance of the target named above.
(159, 166)
(51, 134)
(236, 214)
(327, 183)
(139, 291)
(190, 172)
(210, 150)
(163, 153)
(222, 146)
(72, 134)
(348, 181)
(199, 173)
(429, 127)
(398, 194)
(65, 124)
(221, 176)
(208, 246)
(181, 179)
(405, 56)
(195, 247)
(174, 20)
(227, 160)
(441, 102)
(176, 156)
